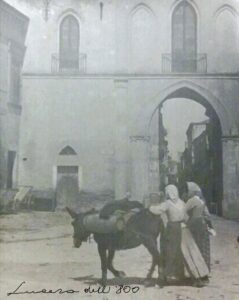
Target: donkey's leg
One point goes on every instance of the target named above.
(151, 245)
(115, 272)
(153, 251)
(151, 270)
(103, 259)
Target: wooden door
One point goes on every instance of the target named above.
(67, 190)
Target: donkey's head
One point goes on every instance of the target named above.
(80, 234)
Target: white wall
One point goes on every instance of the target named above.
(78, 113)
(83, 112)
(132, 35)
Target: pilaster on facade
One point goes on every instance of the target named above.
(121, 139)
(139, 146)
(230, 146)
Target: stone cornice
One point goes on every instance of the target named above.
(230, 138)
(125, 77)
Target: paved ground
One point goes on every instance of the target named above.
(37, 248)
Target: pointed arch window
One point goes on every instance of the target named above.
(184, 38)
(68, 150)
(69, 43)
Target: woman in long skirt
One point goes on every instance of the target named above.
(174, 208)
(199, 220)
(178, 246)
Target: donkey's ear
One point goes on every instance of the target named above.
(72, 213)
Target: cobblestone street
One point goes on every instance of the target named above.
(37, 248)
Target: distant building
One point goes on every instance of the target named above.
(200, 159)
(13, 29)
(172, 172)
(163, 169)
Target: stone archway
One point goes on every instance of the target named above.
(215, 108)
(202, 158)
(143, 117)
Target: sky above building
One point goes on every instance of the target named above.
(177, 115)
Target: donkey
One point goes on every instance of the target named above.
(142, 228)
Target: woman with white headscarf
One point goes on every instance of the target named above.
(172, 258)
(199, 220)
(179, 249)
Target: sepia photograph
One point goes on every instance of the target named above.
(119, 149)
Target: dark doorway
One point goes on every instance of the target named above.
(67, 190)
(11, 155)
(184, 38)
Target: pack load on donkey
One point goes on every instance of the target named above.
(113, 216)
(94, 223)
(141, 228)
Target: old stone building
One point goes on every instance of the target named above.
(13, 29)
(95, 73)
(201, 162)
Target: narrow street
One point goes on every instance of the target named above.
(36, 248)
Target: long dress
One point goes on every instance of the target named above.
(170, 241)
(179, 248)
(198, 213)
(171, 251)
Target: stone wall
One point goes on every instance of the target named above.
(13, 28)
(104, 113)
(126, 33)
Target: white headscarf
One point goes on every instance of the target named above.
(171, 192)
(194, 189)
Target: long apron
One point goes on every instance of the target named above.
(171, 250)
(179, 249)
(193, 259)
(198, 228)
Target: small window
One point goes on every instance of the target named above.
(69, 43)
(68, 151)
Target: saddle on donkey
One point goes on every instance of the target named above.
(124, 205)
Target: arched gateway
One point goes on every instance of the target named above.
(225, 191)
